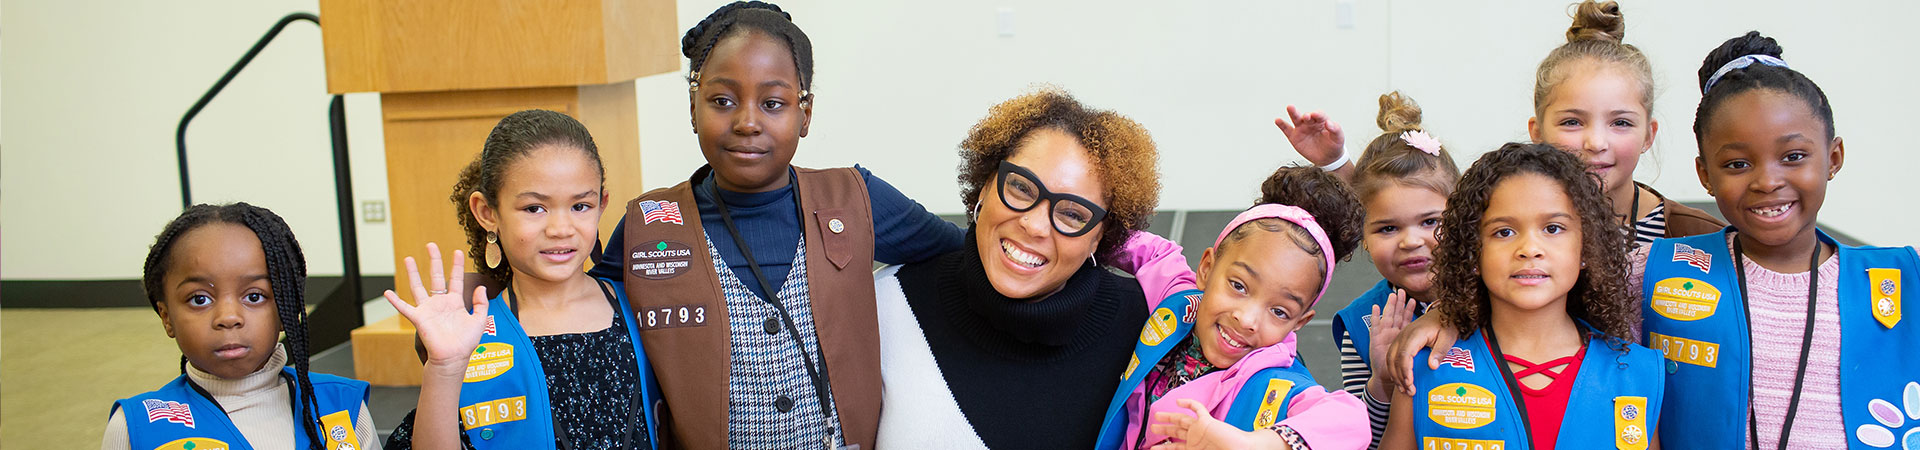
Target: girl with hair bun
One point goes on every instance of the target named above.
(1593, 96)
(1775, 333)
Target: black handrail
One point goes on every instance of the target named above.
(180, 135)
(326, 332)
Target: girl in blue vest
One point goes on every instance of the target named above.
(1531, 276)
(227, 281)
(1403, 180)
(1224, 370)
(1774, 333)
(553, 361)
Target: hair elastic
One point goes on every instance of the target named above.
(1741, 63)
(1422, 141)
(1298, 217)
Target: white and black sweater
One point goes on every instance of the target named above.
(965, 367)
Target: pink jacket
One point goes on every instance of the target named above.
(1324, 420)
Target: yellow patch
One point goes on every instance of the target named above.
(1460, 406)
(193, 444)
(494, 411)
(1699, 353)
(1271, 402)
(1885, 286)
(489, 360)
(1685, 299)
(1630, 423)
(339, 429)
(1434, 443)
(1158, 327)
(1132, 363)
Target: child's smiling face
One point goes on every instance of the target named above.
(1766, 159)
(749, 111)
(218, 306)
(1529, 243)
(548, 214)
(1401, 220)
(1257, 290)
(1596, 113)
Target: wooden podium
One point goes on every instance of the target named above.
(448, 70)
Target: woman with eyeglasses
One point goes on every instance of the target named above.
(1019, 341)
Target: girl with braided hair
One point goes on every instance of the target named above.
(227, 281)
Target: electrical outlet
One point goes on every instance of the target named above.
(373, 211)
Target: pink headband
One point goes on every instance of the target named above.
(1298, 217)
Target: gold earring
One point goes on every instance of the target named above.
(492, 250)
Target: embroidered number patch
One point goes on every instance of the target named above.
(1434, 443)
(1699, 353)
(673, 317)
(494, 411)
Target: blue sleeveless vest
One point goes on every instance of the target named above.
(1353, 318)
(1467, 404)
(1170, 323)
(503, 402)
(175, 417)
(1695, 315)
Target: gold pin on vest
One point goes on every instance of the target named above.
(836, 226)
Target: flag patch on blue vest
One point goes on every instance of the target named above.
(194, 444)
(1685, 299)
(1460, 406)
(489, 359)
(1885, 284)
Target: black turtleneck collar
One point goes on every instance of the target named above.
(1066, 320)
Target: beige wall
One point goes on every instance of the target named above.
(92, 92)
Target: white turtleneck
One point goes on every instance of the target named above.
(256, 403)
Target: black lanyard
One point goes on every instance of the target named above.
(1806, 342)
(817, 375)
(1513, 385)
(633, 397)
(293, 398)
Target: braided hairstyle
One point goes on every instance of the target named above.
(286, 274)
(1600, 296)
(516, 136)
(742, 17)
(1390, 159)
(1757, 76)
(1334, 207)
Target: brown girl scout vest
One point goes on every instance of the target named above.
(668, 270)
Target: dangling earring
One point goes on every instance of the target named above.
(493, 250)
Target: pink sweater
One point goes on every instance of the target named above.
(1778, 302)
(1324, 420)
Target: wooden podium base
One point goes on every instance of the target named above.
(430, 137)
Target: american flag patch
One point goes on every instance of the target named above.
(1697, 258)
(175, 412)
(490, 330)
(1458, 357)
(658, 211)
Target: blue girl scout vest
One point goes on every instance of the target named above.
(1358, 313)
(1261, 402)
(179, 418)
(503, 402)
(1695, 315)
(1467, 404)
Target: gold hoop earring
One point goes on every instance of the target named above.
(492, 250)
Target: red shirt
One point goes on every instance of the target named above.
(1548, 405)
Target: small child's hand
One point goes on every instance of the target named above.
(448, 331)
(1316, 137)
(1198, 431)
(1387, 323)
(1428, 331)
